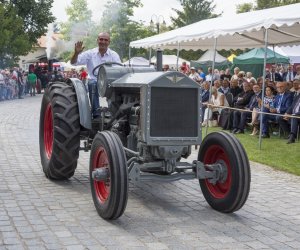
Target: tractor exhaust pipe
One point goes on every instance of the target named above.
(159, 60)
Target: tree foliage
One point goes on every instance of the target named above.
(116, 20)
(78, 11)
(21, 24)
(263, 4)
(244, 7)
(193, 11)
(11, 43)
(78, 27)
(79, 23)
(36, 16)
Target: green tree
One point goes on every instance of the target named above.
(193, 11)
(286, 2)
(36, 16)
(116, 20)
(263, 4)
(244, 7)
(21, 24)
(13, 41)
(78, 11)
(79, 26)
(79, 23)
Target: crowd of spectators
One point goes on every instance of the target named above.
(16, 83)
(236, 99)
(11, 84)
(234, 103)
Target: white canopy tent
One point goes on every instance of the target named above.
(137, 61)
(171, 60)
(245, 30)
(291, 52)
(276, 27)
(208, 56)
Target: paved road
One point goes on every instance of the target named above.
(36, 213)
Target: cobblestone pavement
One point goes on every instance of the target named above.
(36, 213)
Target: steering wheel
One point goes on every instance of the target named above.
(106, 63)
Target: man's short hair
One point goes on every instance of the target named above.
(245, 83)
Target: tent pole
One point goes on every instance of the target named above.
(274, 54)
(211, 82)
(178, 49)
(150, 52)
(263, 87)
(129, 55)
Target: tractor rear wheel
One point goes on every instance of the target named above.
(59, 134)
(230, 194)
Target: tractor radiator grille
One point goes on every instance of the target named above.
(174, 112)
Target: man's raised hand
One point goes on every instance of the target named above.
(79, 47)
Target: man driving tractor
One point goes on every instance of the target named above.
(91, 58)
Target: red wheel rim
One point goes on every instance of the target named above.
(48, 131)
(212, 155)
(102, 188)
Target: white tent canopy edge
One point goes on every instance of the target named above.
(245, 30)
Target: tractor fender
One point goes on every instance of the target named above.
(83, 102)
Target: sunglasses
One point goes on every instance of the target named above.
(103, 39)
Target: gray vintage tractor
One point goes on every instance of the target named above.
(152, 120)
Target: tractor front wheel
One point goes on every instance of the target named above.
(111, 192)
(230, 194)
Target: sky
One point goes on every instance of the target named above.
(149, 10)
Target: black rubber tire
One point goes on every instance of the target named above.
(110, 198)
(59, 143)
(232, 194)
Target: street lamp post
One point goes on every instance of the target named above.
(158, 21)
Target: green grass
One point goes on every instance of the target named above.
(274, 152)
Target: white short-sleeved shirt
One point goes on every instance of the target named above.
(92, 58)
